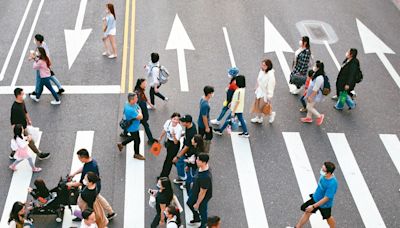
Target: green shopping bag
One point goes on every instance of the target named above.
(342, 98)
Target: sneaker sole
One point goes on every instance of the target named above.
(45, 158)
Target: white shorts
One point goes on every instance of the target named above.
(112, 32)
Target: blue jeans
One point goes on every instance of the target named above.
(240, 118)
(46, 82)
(190, 174)
(223, 111)
(303, 101)
(349, 102)
(180, 168)
(202, 213)
(52, 78)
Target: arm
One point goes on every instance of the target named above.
(205, 122)
(162, 217)
(200, 198)
(76, 172)
(28, 118)
(352, 75)
(271, 87)
(162, 135)
(317, 204)
(37, 64)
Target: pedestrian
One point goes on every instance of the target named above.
(110, 30)
(323, 197)
(41, 189)
(232, 73)
(153, 73)
(314, 94)
(303, 98)
(20, 115)
(171, 214)
(38, 40)
(203, 122)
(42, 63)
(201, 191)
(264, 92)
(140, 88)
(19, 144)
(191, 166)
(133, 113)
(237, 108)
(90, 165)
(300, 64)
(179, 159)
(214, 222)
(89, 219)
(172, 131)
(346, 79)
(164, 196)
(17, 217)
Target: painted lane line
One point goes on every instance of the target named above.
(303, 171)
(28, 40)
(188, 212)
(252, 200)
(125, 46)
(83, 140)
(91, 89)
(356, 182)
(389, 67)
(392, 145)
(132, 48)
(229, 47)
(134, 187)
(20, 182)
(328, 47)
(16, 38)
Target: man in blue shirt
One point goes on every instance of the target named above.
(203, 122)
(133, 113)
(323, 197)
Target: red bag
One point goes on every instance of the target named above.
(155, 149)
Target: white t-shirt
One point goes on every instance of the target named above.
(171, 224)
(168, 128)
(83, 225)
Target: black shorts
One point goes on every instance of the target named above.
(325, 212)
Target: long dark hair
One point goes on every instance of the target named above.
(138, 83)
(111, 8)
(17, 207)
(268, 63)
(320, 71)
(198, 139)
(306, 40)
(166, 184)
(18, 131)
(43, 56)
(41, 186)
(92, 177)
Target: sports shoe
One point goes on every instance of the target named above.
(120, 146)
(215, 122)
(183, 187)
(139, 157)
(149, 107)
(244, 134)
(303, 110)
(254, 120)
(11, 156)
(166, 99)
(12, 167)
(334, 97)
(77, 219)
(36, 169)
(217, 131)
(33, 93)
(320, 119)
(105, 53)
(296, 91)
(111, 216)
(112, 56)
(195, 221)
(306, 120)
(179, 181)
(33, 97)
(60, 91)
(54, 102)
(272, 117)
(43, 156)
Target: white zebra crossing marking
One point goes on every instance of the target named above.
(20, 182)
(80, 89)
(303, 171)
(392, 145)
(356, 182)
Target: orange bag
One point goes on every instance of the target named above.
(155, 149)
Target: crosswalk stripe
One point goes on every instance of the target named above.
(356, 182)
(79, 89)
(252, 200)
(303, 171)
(392, 145)
(134, 187)
(20, 182)
(83, 140)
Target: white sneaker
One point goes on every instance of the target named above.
(272, 117)
(260, 120)
(33, 97)
(166, 99)
(255, 120)
(112, 56)
(149, 107)
(296, 91)
(334, 97)
(105, 53)
(54, 102)
(215, 122)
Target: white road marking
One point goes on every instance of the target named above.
(83, 140)
(328, 47)
(16, 38)
(20, 182)
(252, 200)
(229, 47)
(303, 171)
(90, 89)
(356, 182)
(28, 40)
(179, 40)
(134, 187)
(392, 145)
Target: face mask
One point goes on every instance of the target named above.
(322, 172)
(158, 186)
(24, 96)
(85, 182)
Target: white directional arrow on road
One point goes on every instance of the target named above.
(179, 40)
(372, 44)
(274, 42)
(75, 39)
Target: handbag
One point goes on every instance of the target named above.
(33, 132)
(234, 123)
(152, 201)
(267, 109)
(342, 97)
(155, 149)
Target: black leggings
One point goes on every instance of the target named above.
(152, 93)
(135, 138)
(172, 151)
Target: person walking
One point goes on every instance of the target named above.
(140, 88)
(173, 132)
(237, 108)
(132, 113)
(323, 197)
(42, 63)
(17, 217)
(110, 30)
(346, 79)
(153, 72)
(303, 98)
(191, 166)
(201, 191)
(264, 92)
(300, 65)
(19, 144)
(164, 196)
(314, 94)
(20, 115)
(203, 122)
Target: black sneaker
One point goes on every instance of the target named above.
(111, 216)
(217, 131)
(60, 91)
(43, 156)
(244, 134)
(11, 156)
(195, 221)
(76, 219)
(33, 93)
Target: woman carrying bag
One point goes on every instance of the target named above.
(264, 93)
(164, 197)
(300, 65)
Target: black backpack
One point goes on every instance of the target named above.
(359, 76)
(326, 90)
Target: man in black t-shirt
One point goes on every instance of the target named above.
(19, 115)
(201, 191)
(190, 131)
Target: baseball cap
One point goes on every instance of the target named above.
(234, 71)
(186, 118)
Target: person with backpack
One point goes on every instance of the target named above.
(300, 65)
(303, 98)
(348, 76)
(154, 69)
(171, 212)
(315, 94)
